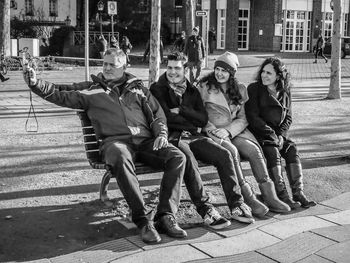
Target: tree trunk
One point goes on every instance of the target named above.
(190, 7)
(335, 82)
(5, 28)
(154, 58)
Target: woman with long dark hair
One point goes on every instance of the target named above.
(269, 115)
(224, 98)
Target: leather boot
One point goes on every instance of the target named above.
(295, 177)
(258, 208)
(280, 186)
(269, 195)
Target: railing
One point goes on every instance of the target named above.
(79, 37)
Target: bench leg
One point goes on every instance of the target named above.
(104, 187)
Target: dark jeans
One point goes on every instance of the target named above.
(194, 65)
(208, 151)
(273, 155)
(319, 51)
(120, 155)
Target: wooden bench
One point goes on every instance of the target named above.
(91, 144)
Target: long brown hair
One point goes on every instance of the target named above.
(283, 80)
(234, 96)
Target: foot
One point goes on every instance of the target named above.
(291, 203)
(326, 60)
(149, 234)
(5, 79)
(167, 224)
(315, 61)
(300, 197)
(214, 220)
(242, 213)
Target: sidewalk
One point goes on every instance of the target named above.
(318, 234)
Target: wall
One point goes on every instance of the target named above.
(264, 15)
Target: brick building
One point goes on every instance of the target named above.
(269, 25)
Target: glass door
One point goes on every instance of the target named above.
(295, 39)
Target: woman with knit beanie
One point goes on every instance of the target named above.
(269, 115)
(224, 99)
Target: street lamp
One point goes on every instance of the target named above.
(100, 6)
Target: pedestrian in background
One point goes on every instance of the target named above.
(114, 43)
(319, 48)
(126, 46)
(212, 40)
(101, 45)
(147, 50)
(194, 49)
(180, 42)
(269, 115)
(224, 98)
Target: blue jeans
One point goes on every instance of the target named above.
(198, 66)
(253, 153)
(206, 150)
(120, 156)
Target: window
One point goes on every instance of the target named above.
(346, 24)
(243, 29)
(53, 8)
(175, 25)
(221, 29)
(29, 8)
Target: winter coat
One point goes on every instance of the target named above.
(194, 48)
(192, 113)
(222, 115)
(268, 117)
(134, 114)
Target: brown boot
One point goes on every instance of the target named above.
(167, 224)
(258, 208)
(280, 186)
(149, 234)
(295, 177)
(270, 198)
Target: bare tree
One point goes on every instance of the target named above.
(154, 58)
(5, 26)
(190, 8)
(335, 82)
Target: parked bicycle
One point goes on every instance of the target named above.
(3, 63)
(34, 62)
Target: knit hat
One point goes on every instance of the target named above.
(228, 61)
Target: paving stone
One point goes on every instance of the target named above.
(342, 218)
(242, 243)
(339, 253)
(195, 235)
(341, 202)
(336, 233)
(173, 254)
(296, 248)
(104, 252)
(250, 257)
(237, 228)
(314, 259)
(319, 209)
(286, 228)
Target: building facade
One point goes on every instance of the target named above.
(269, 25)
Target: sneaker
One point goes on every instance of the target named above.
(214, 220)
(5, 79)
(242, 213)
(167, 224)
(149, 234)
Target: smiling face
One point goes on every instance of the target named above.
(175, 71)
(221, 74)
(114, 66)
(268, 76)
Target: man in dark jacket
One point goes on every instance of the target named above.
(128, 121)
(319, 48)
(186, 116)
(194, 50)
